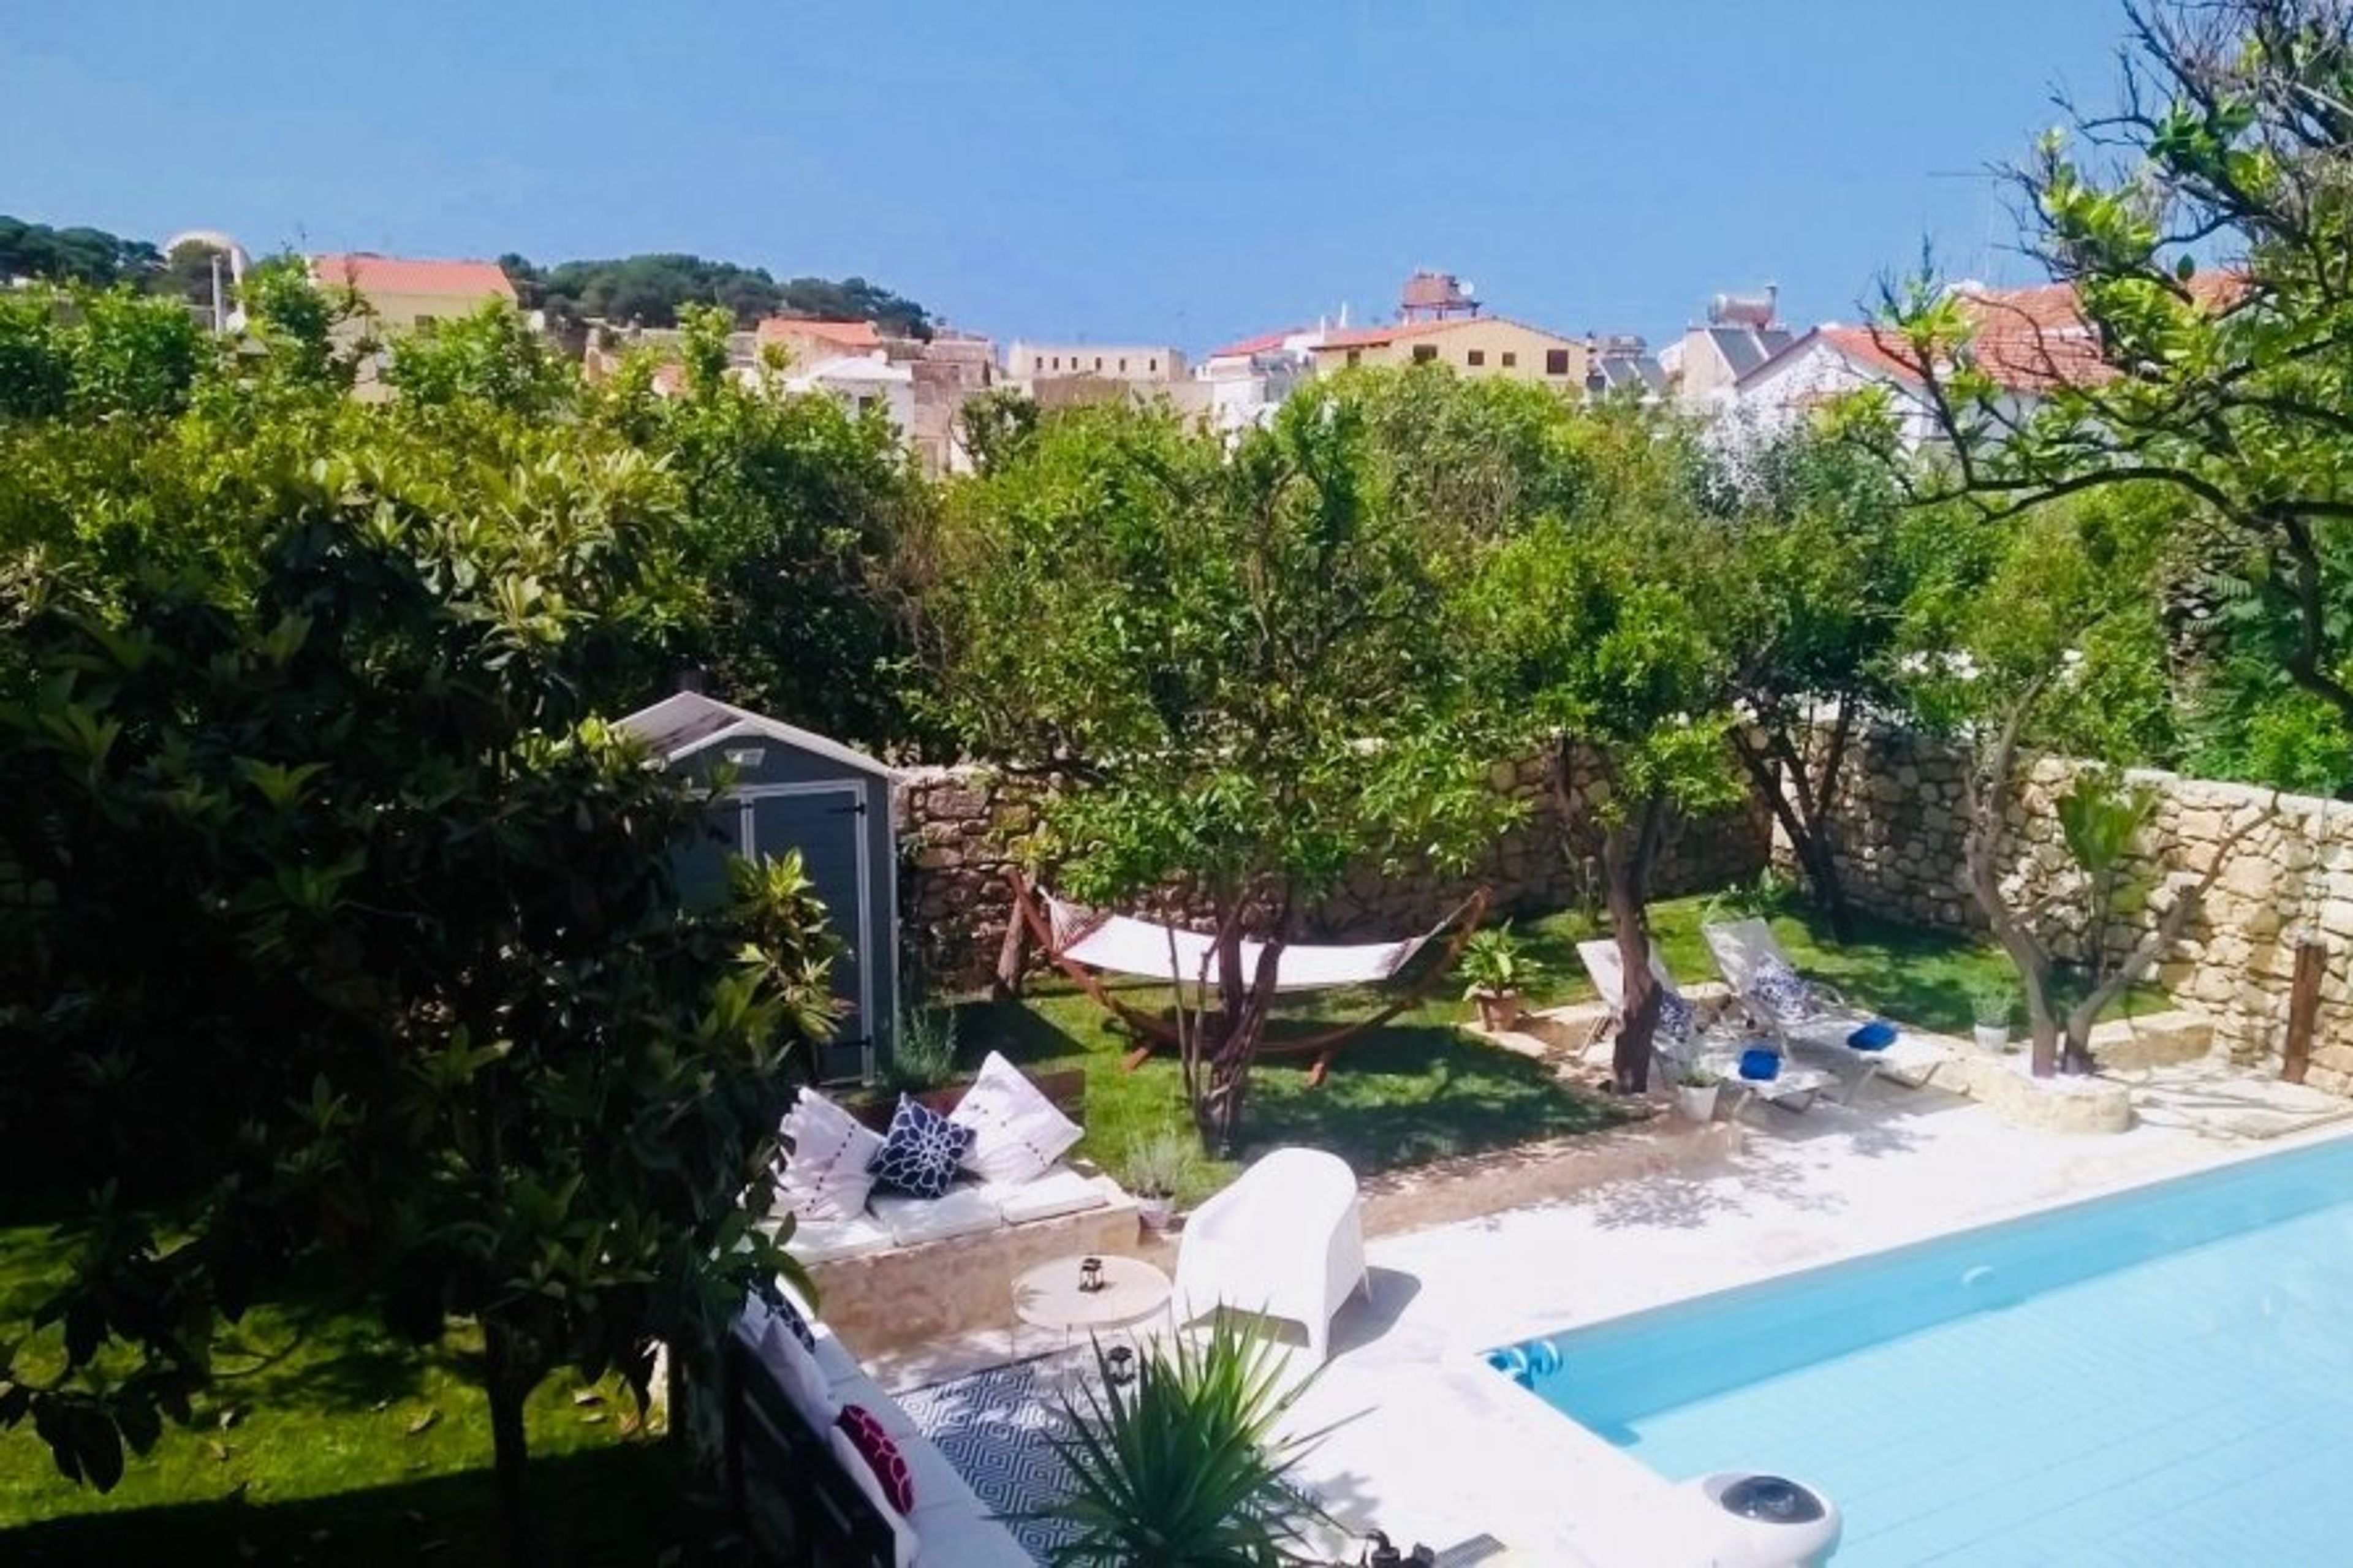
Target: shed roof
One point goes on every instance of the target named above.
(688, 721)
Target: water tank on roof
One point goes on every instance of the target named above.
(1435, 296)
(1744, 309)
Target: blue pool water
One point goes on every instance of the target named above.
(2161, 1378)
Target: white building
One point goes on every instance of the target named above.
(1822, 365)
(862, 382)
(1246, 382)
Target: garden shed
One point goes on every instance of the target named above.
(792, 789)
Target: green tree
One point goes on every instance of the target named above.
(491, 358)
(801, 522)
(1596, 638)
(336, 934)
(2225, 387)
(1816, 559)
(89, 257)
(1229, 657)
(2059, 647)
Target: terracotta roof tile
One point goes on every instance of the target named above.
(840, 334)
(1265, 342)
(371, 274)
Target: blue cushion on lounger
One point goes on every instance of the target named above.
(1760, 1064)
(1875, 1036)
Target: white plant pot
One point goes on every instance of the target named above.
(1698, 1104)
(1993, 1038)
(1158, 1214)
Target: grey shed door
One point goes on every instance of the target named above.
(827, 826)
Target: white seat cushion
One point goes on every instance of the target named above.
(833, 1357)
(1016, 1133)
(823, 1241)
(1058, 1191)
(964, 1211)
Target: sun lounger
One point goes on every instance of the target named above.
(1804, 1015)
(1686, 1047)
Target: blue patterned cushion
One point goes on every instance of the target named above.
(1675, 1015)
(920, 1152)
(1781, 990)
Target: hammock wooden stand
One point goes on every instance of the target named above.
(1154, 1032)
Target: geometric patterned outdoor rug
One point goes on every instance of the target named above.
(992, 1428)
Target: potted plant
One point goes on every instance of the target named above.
(924, 1057)
(1497, 966)
(1189, 1459)
(1157, 1165)
(1994, 1004)
(1695, 1090)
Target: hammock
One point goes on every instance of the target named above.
(1081, 942)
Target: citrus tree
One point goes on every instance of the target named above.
(1235, 662)
(2200, 229)
(337, 932)
(1591, 635)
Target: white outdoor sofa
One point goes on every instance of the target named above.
(788, 1485)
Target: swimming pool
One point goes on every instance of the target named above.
(2161, 1377)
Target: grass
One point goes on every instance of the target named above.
(1420, 1089)
(325, 1440)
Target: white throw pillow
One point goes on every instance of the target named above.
(797, 1373)
(826, 1177)
(1016, 1133)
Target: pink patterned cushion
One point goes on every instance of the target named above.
(880, 1454)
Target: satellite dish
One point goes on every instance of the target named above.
(1469, 289)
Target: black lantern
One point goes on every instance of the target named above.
(1091, 1277)
(1120, 1362)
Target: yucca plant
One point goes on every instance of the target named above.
(1180, 1465)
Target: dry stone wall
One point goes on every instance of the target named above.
(2286, 882)
(961, 828)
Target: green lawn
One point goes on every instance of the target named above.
(1420, 1088)
(324, 1440)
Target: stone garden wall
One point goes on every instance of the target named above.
(2287, 882)
(961, 827)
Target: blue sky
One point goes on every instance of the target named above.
(1190, 173)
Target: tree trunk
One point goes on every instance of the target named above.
(1244, 997)
(1987, 783)
(1626, 852)
(511, 1371)
(1778, 770)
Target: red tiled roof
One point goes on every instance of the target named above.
(840, 334)
(2029, 339)
(1874, 349)
(1265, 342)
(371, 274)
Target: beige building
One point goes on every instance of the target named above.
(403, 294)
(1156, 363)
(1471, 345)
